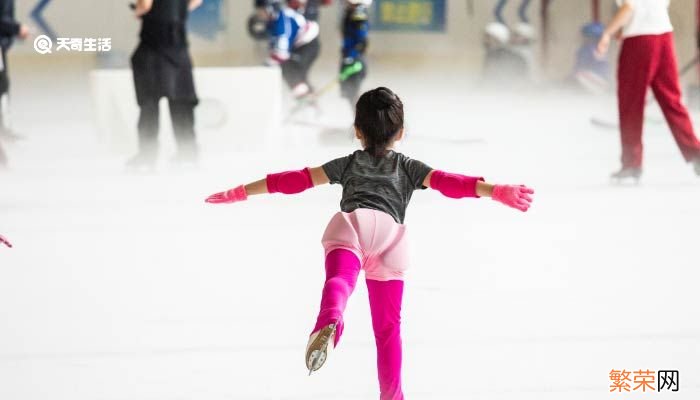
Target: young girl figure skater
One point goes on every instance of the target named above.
(369, 234)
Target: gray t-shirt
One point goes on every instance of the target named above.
(379, 183)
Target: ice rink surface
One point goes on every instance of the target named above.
(130, 287)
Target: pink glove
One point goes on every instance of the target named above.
(516, 196)
(5, 241)
(230, 196)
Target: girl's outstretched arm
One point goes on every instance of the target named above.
(620, 19)
(458, 186)
(289, 182)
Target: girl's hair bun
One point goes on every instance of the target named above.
(379, 117)
(382, 98)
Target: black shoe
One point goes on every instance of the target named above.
(627, 173)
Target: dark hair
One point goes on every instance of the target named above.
(379, 117)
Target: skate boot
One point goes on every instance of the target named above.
(320, 344)
(627, 173)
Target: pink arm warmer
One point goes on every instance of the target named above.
(289, 182)
(455, 186)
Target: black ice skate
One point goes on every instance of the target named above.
(634, 173)
(318, 347)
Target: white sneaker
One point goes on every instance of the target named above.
(319, 346)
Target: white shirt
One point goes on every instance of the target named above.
(649, 17)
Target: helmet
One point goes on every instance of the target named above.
(257, 27)
(498, 31)
(593, 30)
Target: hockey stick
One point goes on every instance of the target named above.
(609, 124)
(313, 97)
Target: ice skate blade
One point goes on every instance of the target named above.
(626, 181)
(317, 351)
(318, 358)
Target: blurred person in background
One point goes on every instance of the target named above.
(9, 30)
(591, 72)
(294, 44)
(311, 9)
(647, 58)
(503, 67)
(353, 68)
(162, 67)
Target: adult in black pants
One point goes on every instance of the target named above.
(162, 67)
(9, 29)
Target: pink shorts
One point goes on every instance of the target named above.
(374, 237)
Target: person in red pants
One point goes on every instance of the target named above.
(647, 59)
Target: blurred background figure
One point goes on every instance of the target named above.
(310, 9)
(647, 59)
(294, 44)
(503, 67)
(353, 69)
(9, 30)
(162, 67)
(591, 72)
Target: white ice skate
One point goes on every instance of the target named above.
(319, 346)
(626, 173)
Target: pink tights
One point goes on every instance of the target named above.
(342, 270)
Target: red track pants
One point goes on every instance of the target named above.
(650, 60)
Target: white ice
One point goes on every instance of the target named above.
(131, 287)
